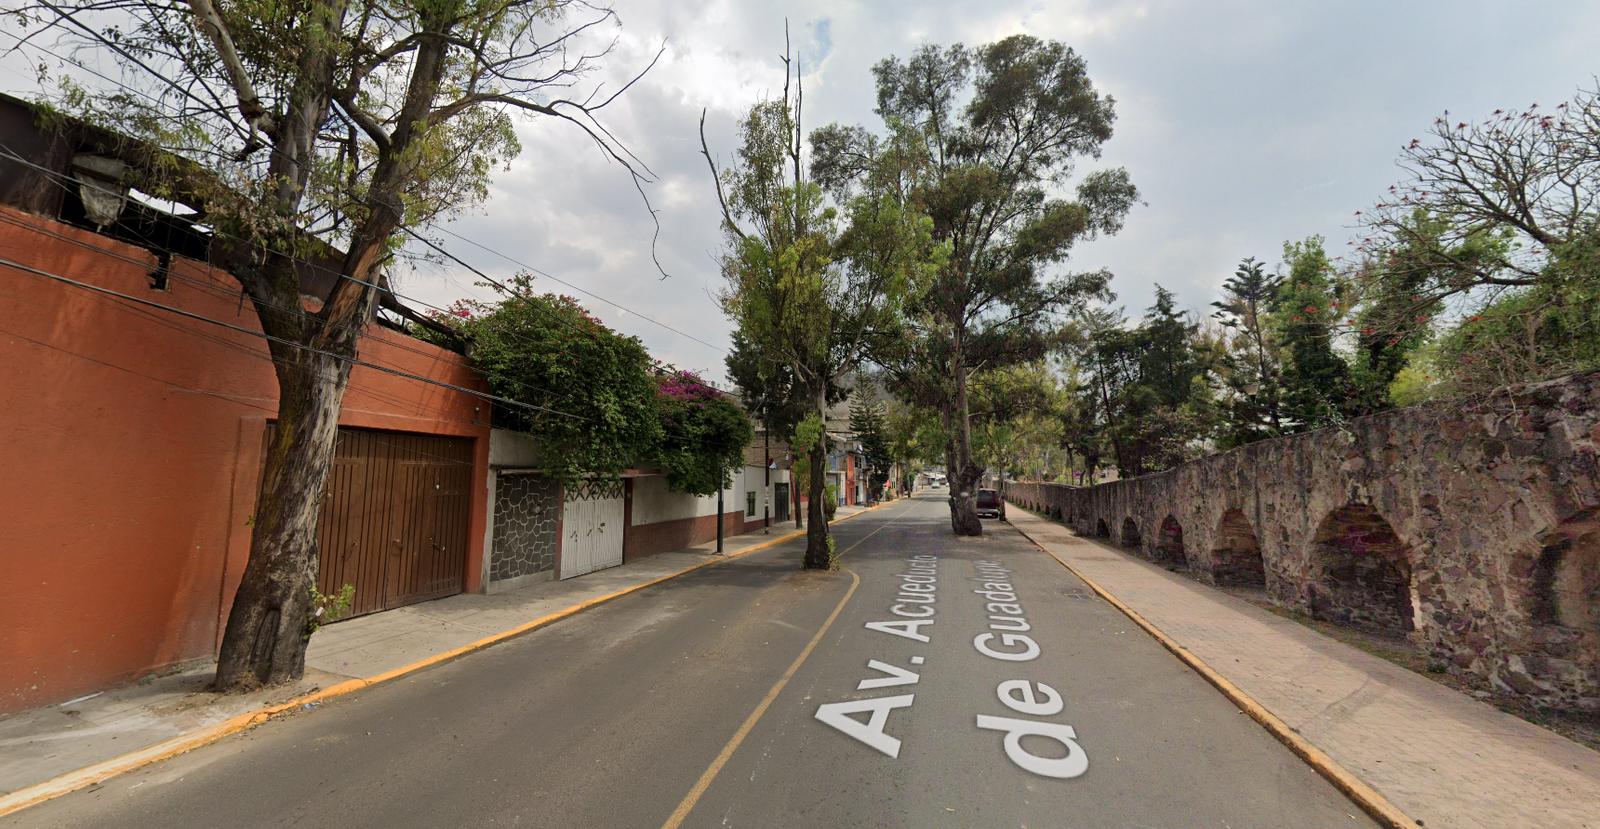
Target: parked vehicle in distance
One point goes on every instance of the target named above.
(991, 505)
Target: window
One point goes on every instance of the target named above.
(750, 503)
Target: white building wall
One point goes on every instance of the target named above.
(653, 502)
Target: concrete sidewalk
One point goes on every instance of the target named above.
(1445, 759)
(49, 745)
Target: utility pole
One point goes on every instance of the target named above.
(794, 486)
(766, 480)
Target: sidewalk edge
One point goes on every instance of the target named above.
(87, 776)
(1369, 799)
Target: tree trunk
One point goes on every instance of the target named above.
(963, 472)
(269, 624)
(268, 627)
(818, 556)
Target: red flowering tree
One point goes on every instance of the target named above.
(704, 434)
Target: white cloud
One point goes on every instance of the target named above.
(1244, 124)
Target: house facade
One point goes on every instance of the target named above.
(537, 530)
(137, 398)
(134, 437)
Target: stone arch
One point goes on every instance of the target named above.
(1361, 572)
(1566, 579)
(1169, 544)
(1565, 610)
(1130, 533)
(1236, 555)
(1100, 528)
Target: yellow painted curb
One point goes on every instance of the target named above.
(1369, 799)
(100, 772)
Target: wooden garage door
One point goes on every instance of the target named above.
(394, 518)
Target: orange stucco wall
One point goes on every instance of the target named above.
(130, 448)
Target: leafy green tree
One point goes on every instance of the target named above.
(1316, 380)
(1495, 218)
(805, 292)
(1103, 355)
(550, 353)
(1251, 365)
(704, 435)
(1164, 409)
(1146, 388)
(988, 174)
(1395, 315)
(1017, 414)
(1524, 335)
(915, 438)
(770, 391)
(867, 422)
(317, 129)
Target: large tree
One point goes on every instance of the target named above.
(871, 431)
(769, 391)
(1501, 203)
(1144, 388)
(1496, 225)
(810, 280)
(300, 129)
(1251, 364)
(1316, 384)
(990, 174)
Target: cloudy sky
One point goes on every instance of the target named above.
(1243, 123)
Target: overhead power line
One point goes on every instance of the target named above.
(67, 183)
(388, 369)
(188, 93)
(619, 306)
(11, 263)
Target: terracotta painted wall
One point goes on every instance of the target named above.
(130, 441)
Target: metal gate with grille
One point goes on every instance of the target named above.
(394, 518)
(780, 503)
(591, 527)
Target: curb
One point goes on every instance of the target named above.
(100, 772)
(1369, 799)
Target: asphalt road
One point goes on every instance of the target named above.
(712, 700)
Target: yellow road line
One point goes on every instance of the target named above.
(689, 800)
(100, 772)
(1368, 798)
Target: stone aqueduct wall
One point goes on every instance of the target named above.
(1471, 527)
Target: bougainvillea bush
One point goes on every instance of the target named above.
(704, 433)
(587, 393)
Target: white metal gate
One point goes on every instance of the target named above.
(591, 527)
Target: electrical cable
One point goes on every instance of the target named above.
(475, 243)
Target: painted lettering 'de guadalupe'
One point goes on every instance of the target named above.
(1007, 640)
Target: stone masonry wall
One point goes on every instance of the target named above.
(527, 514)
(1471, 527)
